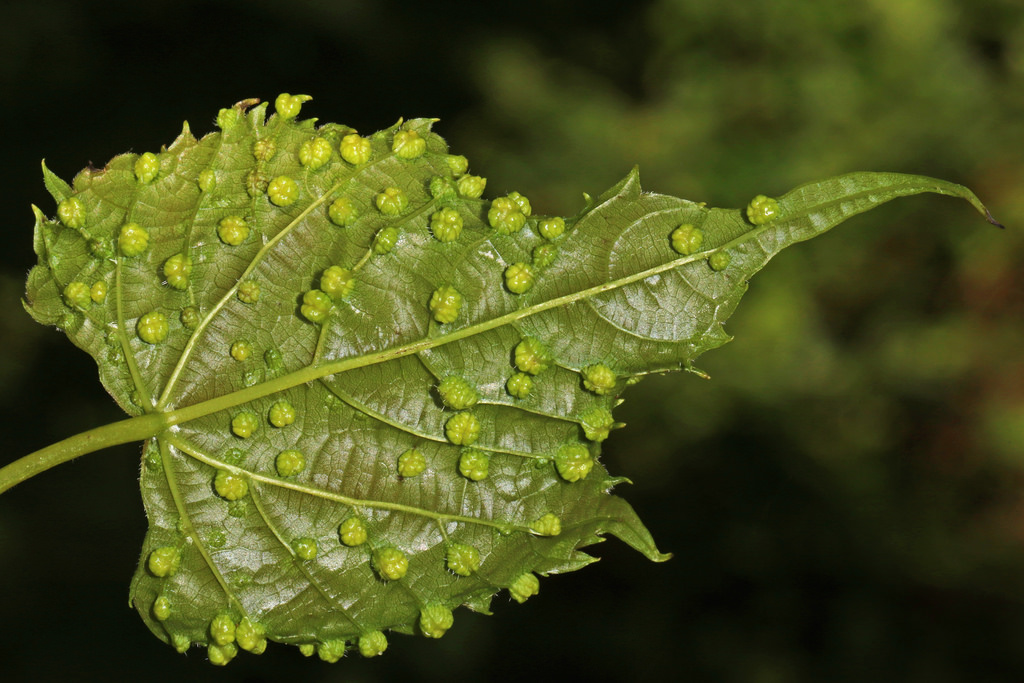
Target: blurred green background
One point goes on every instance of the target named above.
(845, 498)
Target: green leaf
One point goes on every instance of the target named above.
(291, 309)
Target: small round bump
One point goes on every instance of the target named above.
(355, 150)
(435, 620)
(597, 423)
(446, 225)
(305, 548)
(282, 191)
(411, 463)
(391, 202)
(101, 249)
(390, 563)
(161, 608)
(385, 240)
(598, 378)
(98, 291)
(719, 260)
(152, 327)
(531, 356)
(352, 532)
(241, 350)
(524, 587)
(221, 655)
(315, 306)
(77, 295)
(289, 463)
(164, 561)
(222, 629)
(233, 230)
(550, 228)
(457, 164)
(408, 144)
(71, 213)
(251, 636)
(244, 424)
(462, 429)
(762, 210)
(273, 360)
(342, 212)
(288, 106)
(249, 292)
(544, 255)
(178, 270)
(522, 202)
(687, 239)
(456, 393)
(506, 216)
(519, 278)
(315, 153)
(281, 414)
(190, 317)
(331, 650)
(133, 239)
(264, 150)
(372, 644)
(471, 186)
(573, 461)
(445, 303)
(462, 559)
(519, 385)
(547, 525)
(336, 282)
(230, 486)
(207, 180)
(474, 464)
(307, 649)
(147, 167)
(442, 189)
(227, 118)
(256, 183)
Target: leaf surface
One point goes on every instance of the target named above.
(345, 363)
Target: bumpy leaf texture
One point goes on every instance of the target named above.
(385, 395)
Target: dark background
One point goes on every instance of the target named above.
(844, 498)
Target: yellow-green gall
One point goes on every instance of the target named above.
(762, 210)
(273, 359)
(446, 225)
(550, 228)
(71, 213)
(474, 464)
(230, 486)
(305, 548)
(251, 636)
(147, 167)
(256, 183)
(524, 587)
(456, 393)
(408, 144)
(289, 463)
(457, 164)
(522, 202)
(573, 461)
(98, 292)
(342, 212)
(462, 559)
(352, 532)
(336, 282)
(152, 327)
(178, 270)
(307, 649)
(355, 149)
(598, 378)
(391, 563)
(547, 525)
(227, 118)
(385, 240)
(544, 255)
(435, 620)
(233, 230)
(315, 153)
(471, 186)
(161, 608)
(597, 423)
(519, 385)
(264, 150)
(282, 191)
(687, 239)
(392, 201)
(506, 216)
(719, 260)
(249, 292)
(221, 655)
(411, 463)
(519, 278)
(331, 650)
(222, 629)
(372, 644)
(442, 189)
(77, 295)
(281, 414)
(164, 561)
(244, 424)
(207, 180)
(315, 306)
(241, 350)
(133, 239)
(190, 317)
(531, 356)
(445, 303)
(462, 429)
(288, 106)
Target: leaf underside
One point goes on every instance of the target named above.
(230, 529)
